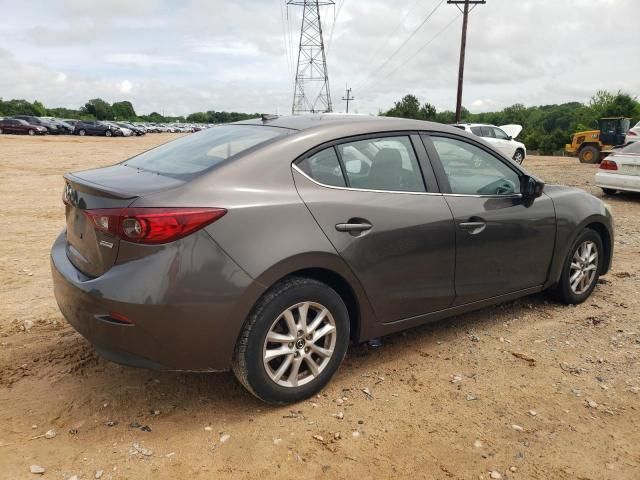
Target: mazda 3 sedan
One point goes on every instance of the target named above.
(266, 246)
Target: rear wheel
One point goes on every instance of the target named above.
(609, 191)
(293, 341)
(108, 133)
(82, 133)
(581, 268)
(0, 131)
(589, 154)
(32, 132)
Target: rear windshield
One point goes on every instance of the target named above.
(200, 151)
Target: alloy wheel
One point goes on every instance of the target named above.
(584, 266)
(299, 344)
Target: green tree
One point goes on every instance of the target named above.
(99, 109)
(123, 111)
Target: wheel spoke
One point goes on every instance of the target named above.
(574, 276)
(318, 334)
(295, 369)
(576, 282)
(316, 321)
(279, 337)
(275, 353)
(323, 352)
(575, 266)
(591, 268)
(313, 366)
(291, 323)
(303, 311)
(283, 368)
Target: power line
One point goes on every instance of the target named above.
(333, 25)
(395, 52)
(422, 47)
(285, 38)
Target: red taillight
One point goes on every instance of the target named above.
(153, 225)
(631, 133)
(608, 165)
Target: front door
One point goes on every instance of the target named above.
(502, 245)
(371, 201)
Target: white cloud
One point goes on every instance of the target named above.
(215, 54)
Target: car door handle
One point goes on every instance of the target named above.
(356, 227)
(472, 227)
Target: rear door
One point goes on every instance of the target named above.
(386, 219)
(502, 244)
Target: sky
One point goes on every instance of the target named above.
(178, 57)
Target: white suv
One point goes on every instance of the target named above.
(501, 138)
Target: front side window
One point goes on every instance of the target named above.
(324, 167)
(386, 163)
(499, 134)
(476, 131)
(473, 171)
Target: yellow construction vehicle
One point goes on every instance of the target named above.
(593, 145)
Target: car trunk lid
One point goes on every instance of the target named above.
(91, 250)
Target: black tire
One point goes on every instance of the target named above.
(32, 132)
(518, 157)
(0, 131)
(562, 291)
(589, 154)
(609, 191)
(82, 132)
(248, 364)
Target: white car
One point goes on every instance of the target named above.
(633, 135)
(501, 138)
(620, 171)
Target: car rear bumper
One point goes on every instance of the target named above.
(184, 301)
(617, 181)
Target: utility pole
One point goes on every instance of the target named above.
(348, 98)
(311, 93)
(463, 45)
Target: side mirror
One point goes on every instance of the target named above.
(510, 137)
(531, 188)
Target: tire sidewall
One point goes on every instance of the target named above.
(260, 383)
(564, 286)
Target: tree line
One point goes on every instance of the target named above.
(98, 109)
(546, 128)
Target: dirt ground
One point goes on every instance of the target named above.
(528, 389)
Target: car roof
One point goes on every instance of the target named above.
(363, 123)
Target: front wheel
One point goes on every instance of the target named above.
(82, 133)
(108, 133)
(293, 341)
(581, 268)
(518, 157)
(32, 132)
(589, 154)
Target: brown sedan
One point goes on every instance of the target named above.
(15, 125)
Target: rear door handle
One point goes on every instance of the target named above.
(472, 227)
(353, 227)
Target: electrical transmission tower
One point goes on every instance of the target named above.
(463, 45)
(348, 98)
(311, 93)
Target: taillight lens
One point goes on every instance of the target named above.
(608, 165)
(631, 133)
(153, 225)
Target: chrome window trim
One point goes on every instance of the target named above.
(296, 168)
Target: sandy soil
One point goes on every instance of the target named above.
(529, 389)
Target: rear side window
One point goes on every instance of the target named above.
(487, 132)
(201, 151)
(386, 163)
(476, 131)
(324, 167)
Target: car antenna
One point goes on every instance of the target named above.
(268, 116)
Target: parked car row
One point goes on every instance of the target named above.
(32, 125)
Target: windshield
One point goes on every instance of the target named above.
(204, 150)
